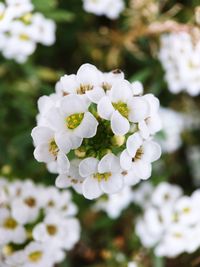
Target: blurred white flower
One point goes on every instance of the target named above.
(171, 221)
(37, 225)
(109, 8)
(172, 127)
(114, 204)
(179, 56)
(21, 30)
(132, 264)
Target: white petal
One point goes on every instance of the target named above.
(96, 94)
(69, 83)
(130, 178)
(91, 188)
(144, 130)
(119, 124)
(42, 154)
(113, 185)
(105, 108)
(40, 233)
(125, 160)
(133, 144)
(63, 163)
(41, 135)
(88, 126)
(153, 102)
(63, 142)
(121, 92)
(72, 104)
(89, 74)
(88, 166)
(138, 109)
(62, 181)
(109, 163)
(151, 150)
(54, 119)
(142, 169)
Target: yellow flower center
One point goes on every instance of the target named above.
(1, 16)
(186, 210)
(27, 18)
(53, 148)
(35, 256)
(24, 37)
(74, 120)
(10, 223)
(102, 176)
(122, 108)
(51, 229)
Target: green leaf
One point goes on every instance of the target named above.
(60, 15)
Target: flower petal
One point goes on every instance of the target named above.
(125, 160)
(63, 163)
(138, 109)
(105, 108)
(121, 92)
(62, 181)
(89, 74)
(42, 154)
(133, 144)
(72, 104)
(88, 166)
(151, 151)
(109, 163)
(91, 188)
(119, 124)
(113, 185)
(142, 169)
(96, 94)
(41, 135)
(88, 126)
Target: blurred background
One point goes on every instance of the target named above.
(132, 43)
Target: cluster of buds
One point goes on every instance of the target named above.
(96, 132)
(37, 225)
(21, 29)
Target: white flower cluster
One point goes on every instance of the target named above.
(173, 124)
(171, 221)
(109, 8)
(180, 58)
(96, 132)
(21, 29)
(114, 204)
(37, 225)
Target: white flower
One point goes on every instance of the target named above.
(19, 7)
(44, 29)
(109, 8)
(26, 207)
(47, 150)
(115, 203)
(132, 264)
(139, 155)
(72, 122)
(172, 127)
(166, 194)
(151, 124)
(101, 176)
(174, 242)
(58, 231)
(86, 83)
(142, 195)
(36, 254)
(71, 178)
(10, 230)
(121, 108)
(179, 55)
